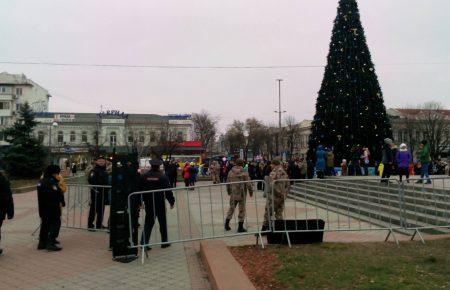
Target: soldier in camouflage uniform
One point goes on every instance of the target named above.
(238, 194)
(214, 168)
(280, 191)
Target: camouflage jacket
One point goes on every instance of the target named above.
(214, 168)
(239, 191)
(280, 188)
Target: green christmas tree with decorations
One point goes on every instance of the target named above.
(26, 157)
(349, 110)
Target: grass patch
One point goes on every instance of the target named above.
(354, 266)
(16, 183)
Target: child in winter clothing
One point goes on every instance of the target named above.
(344, 167)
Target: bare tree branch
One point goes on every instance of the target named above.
(205, 127)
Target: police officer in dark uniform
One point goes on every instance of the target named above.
(6, 202)
(99, 195)
(50, 198)
(155, 205)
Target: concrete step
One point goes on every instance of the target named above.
(368, 211)
(418, 199)
(427, 206)
(346, 212)
(438, 218)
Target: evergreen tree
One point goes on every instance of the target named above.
(349, 109)
(26, 156)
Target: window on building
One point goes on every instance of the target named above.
(180, 136)
(130, 137)
(112, 139)
(3, 89)
(4, 105)
(41, 136)
(163, 135)
(60, 137)
(84, 137)
(4, 120)
(141, 137)
(19, 91)
(152, 137)
(2, 136)
(73, 136)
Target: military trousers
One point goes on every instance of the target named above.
(274, 207)
(153, 211)
(233, 204)
(215, 177)
(97, 208)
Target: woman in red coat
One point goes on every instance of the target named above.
(186, 174)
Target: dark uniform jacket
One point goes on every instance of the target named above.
(6, 199)
(153, 180)
(98, 176)
(50, 198)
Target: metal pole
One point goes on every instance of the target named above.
(50, 159)
(279, 117)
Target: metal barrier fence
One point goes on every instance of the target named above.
(362, 204)
(87, 207)
(199, 213)
(426, 207)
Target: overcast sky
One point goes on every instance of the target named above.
(217, 33)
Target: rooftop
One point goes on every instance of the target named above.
(417, 111)
(13, 79)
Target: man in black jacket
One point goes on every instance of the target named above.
(50, 198)
(294, 168)
(6, 202)
(388, 159)
(99, 194)
(155, 205)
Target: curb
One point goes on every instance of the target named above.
(224, 272)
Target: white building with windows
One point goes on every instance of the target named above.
(76, 136)
(15, 90)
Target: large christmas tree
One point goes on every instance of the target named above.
(26, 156)
(349, 109)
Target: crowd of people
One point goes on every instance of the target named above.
(51, 187)
(395, 160)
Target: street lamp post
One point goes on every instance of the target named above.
(279, 117)
(54, 124)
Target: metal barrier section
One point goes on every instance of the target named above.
(87, 207)
(199, 213)
(343, 204)
(426, 206)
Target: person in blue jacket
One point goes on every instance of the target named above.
(321, 157)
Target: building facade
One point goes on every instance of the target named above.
(411, 126)
(15, 90)
(408, 126)
(77, 136)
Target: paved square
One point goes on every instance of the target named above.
(86, 263)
